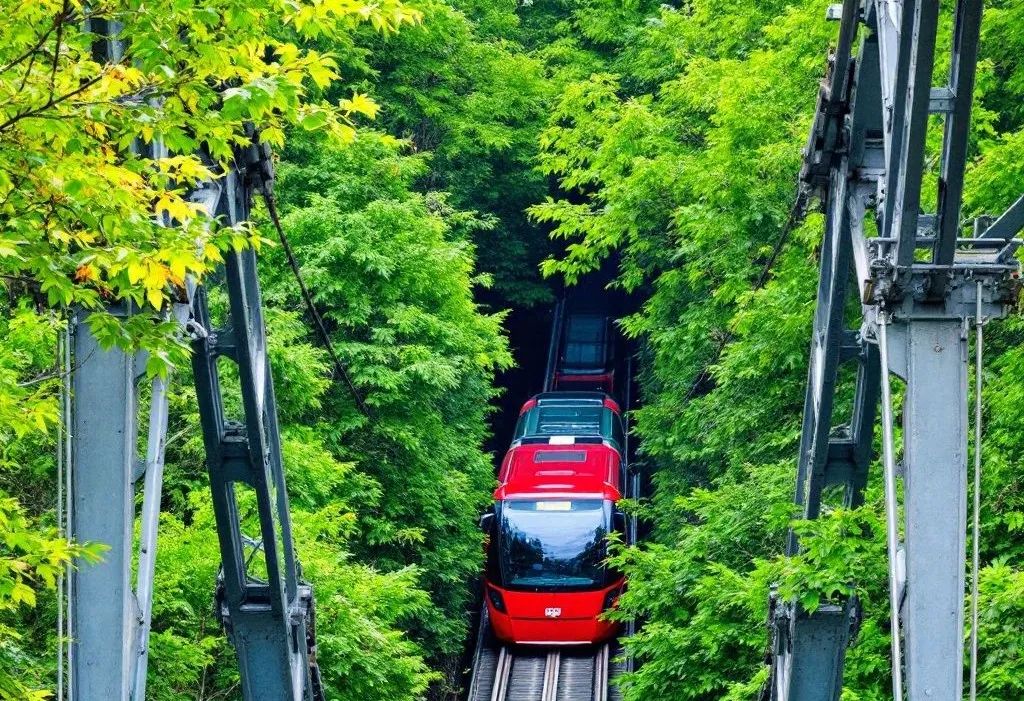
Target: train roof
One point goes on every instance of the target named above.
(549, 469)
(571, 399)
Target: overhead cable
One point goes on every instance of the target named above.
(979, 343)
(796, 215)
(891, 507)
(318, 322)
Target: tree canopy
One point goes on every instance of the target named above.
(439, 163)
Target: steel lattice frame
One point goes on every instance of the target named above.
(268, 614)
(866, 155)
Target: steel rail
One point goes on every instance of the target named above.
(504, 674)
(552, 666)
(501, 675)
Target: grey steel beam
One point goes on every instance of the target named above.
(886, 17)
(266, 610)
(906, 166)
(826, 134)
(104, 612)
(895, 46)
(111, 606)
(845, 154)
(1009, 223)
(809, 659)
(964, 61)
(811, 647)
(554, 344)
(826, 341)
(932, 355)
(268, 613)
(875, 161)
(862, 424)
(153, 477)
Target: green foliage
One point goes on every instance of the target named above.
(666, 138)
(88, 221)
(392, 262)
(32, 558)
(363, 652)
(702, 593)
(383, 506)
(462, 87)
(392, 272)
(27, 383)
(677, 156)
(1001, 674)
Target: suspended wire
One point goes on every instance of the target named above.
(891, 507)
(796, 215)
(61, 533)
(318, 322)
(68, 467)
(979, 341)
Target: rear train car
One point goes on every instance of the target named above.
(586, 357)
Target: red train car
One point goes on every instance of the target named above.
(586, 356)
(547, 582)
(557, 416)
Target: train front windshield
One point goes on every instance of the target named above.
(554, 545)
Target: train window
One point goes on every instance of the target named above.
(521, 425)
(576, 421)
(585, 343)
(544, 549)
(618, 434)
(569, 421)
(493, 566)
(560, 456)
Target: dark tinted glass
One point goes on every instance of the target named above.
(584, 344)
(521, 426)
(579, 421)
(618, 437)
(569, 421)
(553, 545)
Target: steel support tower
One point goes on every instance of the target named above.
(914, 278)
(263, 603)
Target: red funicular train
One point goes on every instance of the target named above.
(547, 582)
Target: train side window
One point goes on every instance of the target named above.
(611, 428)
(585, 341)
(521, 425)
(493, 567)
(618, 433)
(568, 421)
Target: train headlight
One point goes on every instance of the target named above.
(612, 597)
(496, 600)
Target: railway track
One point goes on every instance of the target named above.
(504, 673)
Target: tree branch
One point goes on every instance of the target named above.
(52, 102)
(28, 71)
(32, 51)
(60, 19)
